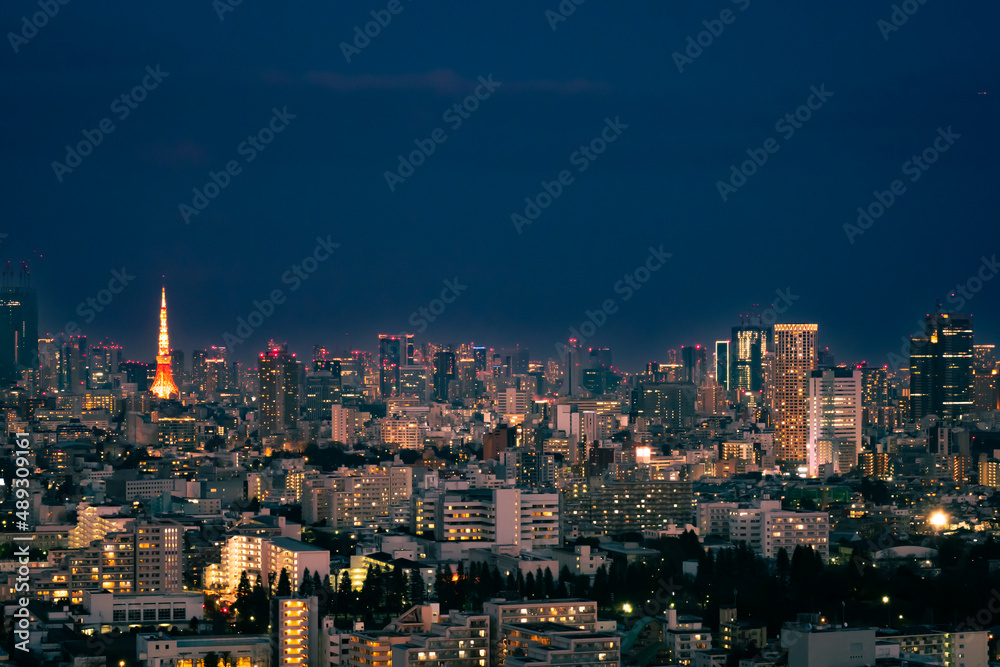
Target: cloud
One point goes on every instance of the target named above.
(441, 81)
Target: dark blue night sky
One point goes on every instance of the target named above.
(323, 175)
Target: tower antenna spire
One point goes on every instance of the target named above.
(163, 384)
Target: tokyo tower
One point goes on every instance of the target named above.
(163, 383)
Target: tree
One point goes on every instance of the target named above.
(549, 585)
(193, 624)
(418, 591)
(212, 659)
(244, 604)
(306, 587)
(345, 594)
(284, 585)
(565, 576)
(530, 592)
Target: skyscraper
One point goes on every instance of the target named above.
(199, 371)
(835, 413)
(941, 368)
(985, 395)
(572, 368)
(177, 367)
(749, 343)
(874, 396)
(163, 383)
(18, 326)
(279, 389)
(393, 352)
(104, 362)
(445, 370)
(795, 359)
(722, 363)
(695, 363)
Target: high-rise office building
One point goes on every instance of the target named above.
(322, 391)
(104, 363)
(794, 359)
(722, 363)
(199, 371)
(445, 370)
(18, 326)
(748, 346)
(279, 389)
(672, 403)
(479, 353)
(393, 352)
(985, 398)
(941, 368)
(874, 397)
(695, 363)
(72, 364)
(835, 415)
(177, 367)
(217, 369)
(572, 367)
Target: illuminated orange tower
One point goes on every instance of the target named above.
(163, 383)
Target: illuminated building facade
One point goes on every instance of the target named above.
(834, 419)
(941, 368)
(748, 345)
(795, 359)
(279, 389)
(986, 396)
(294, 631)
(163, 383)
(393, 352)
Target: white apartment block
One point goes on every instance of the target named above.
(295, 636)
(404, 433)
(765, 527)
(261, 555)
(355, 498)
(500, 516)
(834, 419)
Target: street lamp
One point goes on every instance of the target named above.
(888, 610)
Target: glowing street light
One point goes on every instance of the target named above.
(627, 608)
(938, 519)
